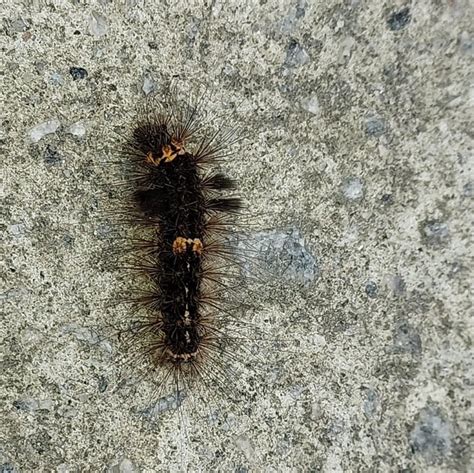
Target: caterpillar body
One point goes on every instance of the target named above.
(186, 214)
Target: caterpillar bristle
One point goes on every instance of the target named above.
(218, 182)
(223, 204)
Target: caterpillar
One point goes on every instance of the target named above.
(185, 209)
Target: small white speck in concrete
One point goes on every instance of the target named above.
(126, 466)
(148, 85)
(56, 78)
(42, 129)
(345, 49)
(311, 104)
(122, 466)
(245, 445)
(16, 229)
(436, 230)
(77, 129)
(353, 188)
(97, 25)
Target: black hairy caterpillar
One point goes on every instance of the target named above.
(178, 204)
(184, 211)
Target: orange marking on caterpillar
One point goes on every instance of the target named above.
(151, 160)
(182, 356)
(197, 246)
(168, 154)
(180, 245)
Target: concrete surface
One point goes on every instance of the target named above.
(357, 162)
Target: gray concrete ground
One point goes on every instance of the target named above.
(358, 164)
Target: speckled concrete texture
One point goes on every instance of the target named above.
(357, 163)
